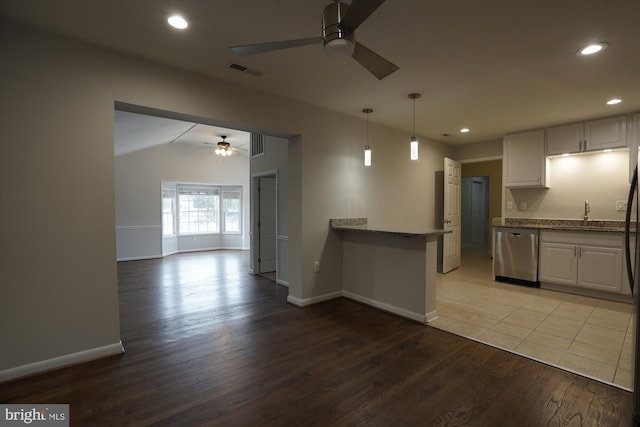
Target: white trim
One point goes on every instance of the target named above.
(421, 318)
(219, 248)
(480, 159)
(59, 362)
(137, 227)
(140, 258)
(282, 282)
(313, 300)
(432, 315)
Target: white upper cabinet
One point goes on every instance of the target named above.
(525, 165)
(589, 136)
(565, 139)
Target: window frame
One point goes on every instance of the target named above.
(216, 190)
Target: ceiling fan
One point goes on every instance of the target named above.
(339, 22)
(223, 147)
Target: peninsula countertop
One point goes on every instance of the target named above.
(360, 224)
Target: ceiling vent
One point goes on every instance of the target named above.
(245, 70)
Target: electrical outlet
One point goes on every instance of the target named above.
(523, 206)
(316, 266)
(621, 205)
(509, 204)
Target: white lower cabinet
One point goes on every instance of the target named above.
(591, 261)
(558, 263)
(600, 268)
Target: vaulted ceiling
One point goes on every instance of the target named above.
(493, 66)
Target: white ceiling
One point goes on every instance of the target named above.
(494, 66)
(134, 131)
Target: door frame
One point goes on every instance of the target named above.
(255, 218)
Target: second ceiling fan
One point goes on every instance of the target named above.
(339, 22)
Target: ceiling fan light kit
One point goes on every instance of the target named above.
(339, 23)
(224, 148)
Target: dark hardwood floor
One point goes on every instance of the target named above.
(208, 344)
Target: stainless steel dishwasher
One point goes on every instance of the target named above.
(516, 256)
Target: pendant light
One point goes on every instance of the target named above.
(414, 141)
(367, 149)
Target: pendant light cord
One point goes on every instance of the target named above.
(414, 117)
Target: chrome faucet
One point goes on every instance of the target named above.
(587, 209)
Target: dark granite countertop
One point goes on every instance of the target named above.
(565, 225)
(360, 224)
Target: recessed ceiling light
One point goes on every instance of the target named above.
(464, 130)
(177, 21)
(593, 48)
(614, 101)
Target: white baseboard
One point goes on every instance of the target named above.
(421, 318)
(431, 316)
(282, 282)
(314, 300)
(140, 258)
(59, 362)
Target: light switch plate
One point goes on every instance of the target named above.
(509, 204)
(621, 205)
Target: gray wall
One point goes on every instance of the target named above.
(58, 246)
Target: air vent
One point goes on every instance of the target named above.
(245, 70)
(257, 144)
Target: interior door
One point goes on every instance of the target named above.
(451, 242)
(267, 224)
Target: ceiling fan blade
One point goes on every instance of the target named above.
(252, 49)
(374, 63)
(357, 13)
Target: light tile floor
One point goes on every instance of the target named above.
(588, 336)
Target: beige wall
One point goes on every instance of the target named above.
(601, 178)
(478, 151)
(57, 252)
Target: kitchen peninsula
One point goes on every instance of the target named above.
(392, 269)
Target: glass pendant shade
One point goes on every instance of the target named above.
(413, 153)
(367, 149)
(414, 148)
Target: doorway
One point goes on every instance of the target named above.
(475, 211)
(265, 226)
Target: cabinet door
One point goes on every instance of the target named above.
(606, 133)
(525, 163)
(565, 139)
(600, 268)
(558, 263)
